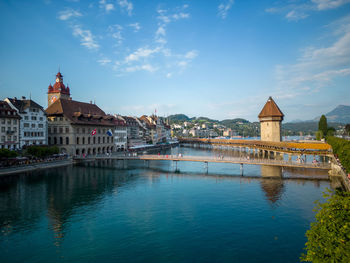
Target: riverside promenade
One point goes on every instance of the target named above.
(35, 166)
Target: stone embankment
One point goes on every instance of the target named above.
(35, 166)
(338, 170)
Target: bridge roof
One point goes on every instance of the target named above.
(271, 110)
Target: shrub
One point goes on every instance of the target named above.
(341, 148)
(6, 153)
(329, 237)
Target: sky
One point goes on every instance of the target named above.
(216, 58)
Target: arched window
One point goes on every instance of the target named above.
(99, 140)
(77, 140)
(49, 140)
(83, 140)
(61, 140)
(103, 139)
(67, 140)
(88, 140)
(54, 140)
(94, 140)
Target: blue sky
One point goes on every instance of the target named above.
(216, 58)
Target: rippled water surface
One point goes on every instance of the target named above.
(150, 213)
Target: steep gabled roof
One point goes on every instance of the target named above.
(80, 112)
(271, 110)
(23, 104)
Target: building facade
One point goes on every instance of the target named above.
(271, 118)
(120, 134)
(33, 123)
(9, 127)
(77, 128)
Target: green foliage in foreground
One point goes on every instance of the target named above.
(322, 125)
(6, 153)
(41, 151)
(329, 237)
(341, 148)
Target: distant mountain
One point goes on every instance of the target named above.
(340, 114)
(306, 126)
(229, 122)
(204, 119)
(178, 117)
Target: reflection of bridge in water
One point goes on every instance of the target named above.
(263, 147)
(215, 159)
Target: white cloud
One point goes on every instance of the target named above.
(191, 54)
(145, 67)
(180, 15)
(317, 67)
(329, 4)
(141, 53)
(87, 39)
(104, 61)
(223, 8)
(115, 32)
(106, 6)
(168, 75)
(68, 13)
(294, 10)
(135, 26)
(126, 5)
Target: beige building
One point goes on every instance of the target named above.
(9, 127)
(270, 122)
(77, 128)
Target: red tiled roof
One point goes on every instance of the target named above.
(7, 112)
(81, 113)
(271, 110)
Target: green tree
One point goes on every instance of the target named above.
(329, 237)
(322, 125)
(347, 129)
(319, 135)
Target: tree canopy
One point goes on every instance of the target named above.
(322, 125)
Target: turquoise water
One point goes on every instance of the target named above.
(102, 213)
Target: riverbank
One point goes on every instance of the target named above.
(34, 167)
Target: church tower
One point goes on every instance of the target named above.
(57, 91)
(270, 122)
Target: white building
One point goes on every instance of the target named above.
(120, 133)
(33, 123)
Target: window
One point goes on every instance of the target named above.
(61, 140)
(49, 130)
(41, 118)
(54, 130)
(26, 118)
(14, 129)
(41, 125)
(3, 129)
(67, 140)
(3, 121)
(88, 140)
(15, 138)
(83, 130)
(26, 125)
(83, 140)
(67, 130)
(8, 121)
(33, 125)
(49, 140)
(33, 118)
(61, 130)
(14, 122)
(2, 138)
(77, 140)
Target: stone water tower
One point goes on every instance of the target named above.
(270, 122)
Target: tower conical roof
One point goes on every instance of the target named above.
(271, 110)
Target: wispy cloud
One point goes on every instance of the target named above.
(145, 67)
(126, 6)
(87, 39)
(67, 14)
(296, 10)
(317, 68)
(135, 26)
(104, 61)
(141, 53)
(329, 4)
(224, 7)
(106, 6)
(115, 31)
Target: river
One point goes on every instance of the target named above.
(102, 212)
